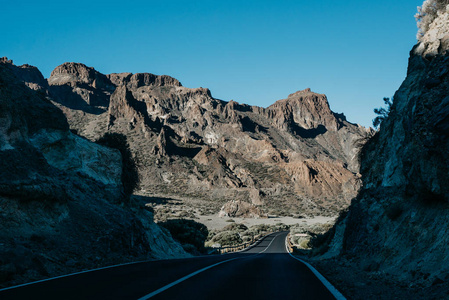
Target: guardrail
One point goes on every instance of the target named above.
(289, 245)
(230, 249)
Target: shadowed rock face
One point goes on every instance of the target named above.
(60, 194)
(297, 156)
(399, 222)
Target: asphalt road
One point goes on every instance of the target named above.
(265, 271)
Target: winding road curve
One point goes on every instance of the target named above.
(265, 271)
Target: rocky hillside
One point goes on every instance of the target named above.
(398, 224)
(295, 157)
(61, 196)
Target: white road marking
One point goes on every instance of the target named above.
(77, 273)
(326, 283)
(183, 279)
(156, 292)
(268, 244)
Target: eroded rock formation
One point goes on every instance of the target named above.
(295, 157)
(61, 196)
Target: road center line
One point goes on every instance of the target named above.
(158, 291)
(268, 245)
(183, 279)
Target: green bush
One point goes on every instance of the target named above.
(187, 232)
(228, 238)
(382, 113)
(304, 243)
(235, 227)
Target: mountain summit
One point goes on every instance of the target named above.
(295, 157)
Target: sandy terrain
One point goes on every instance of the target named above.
(215, 222)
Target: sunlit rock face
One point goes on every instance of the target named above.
(399, 221)
(295, 157)
(61, 196)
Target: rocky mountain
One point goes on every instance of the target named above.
(62, 207)
(295, 157)
(397, 227)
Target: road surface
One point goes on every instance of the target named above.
(266, 271)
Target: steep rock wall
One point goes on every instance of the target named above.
(62, 207)
(399, 222)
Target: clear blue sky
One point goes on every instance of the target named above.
(254, 52)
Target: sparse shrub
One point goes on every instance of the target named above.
(187, 232)
(236, 234)
(186, 214)
(304, 243)
(246, 238)
(427, 13)
(228, 238)
(320, 242)
(382, 112)
(235, 227)
(251, 233)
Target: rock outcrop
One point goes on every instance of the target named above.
(241, 209)
(295, 157)
(398, 224)
(305, 110)
(61, 196)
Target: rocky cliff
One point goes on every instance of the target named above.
(295, 157)
(61, 196)
(398, 224)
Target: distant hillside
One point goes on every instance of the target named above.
(295, 157)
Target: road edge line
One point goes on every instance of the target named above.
(166, 287)
(72, 274)
(332, 289)
(113, 266)
(160, 290)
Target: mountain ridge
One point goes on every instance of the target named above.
(168, 125)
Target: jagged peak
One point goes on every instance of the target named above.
(72, 67)
(305, 92)
(28, 74)
(5, 60)
(304, 97)
(73, 72)
(305, 108)
(142, 79)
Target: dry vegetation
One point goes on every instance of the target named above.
(302, 235)
(235, 234)
(427, 13)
